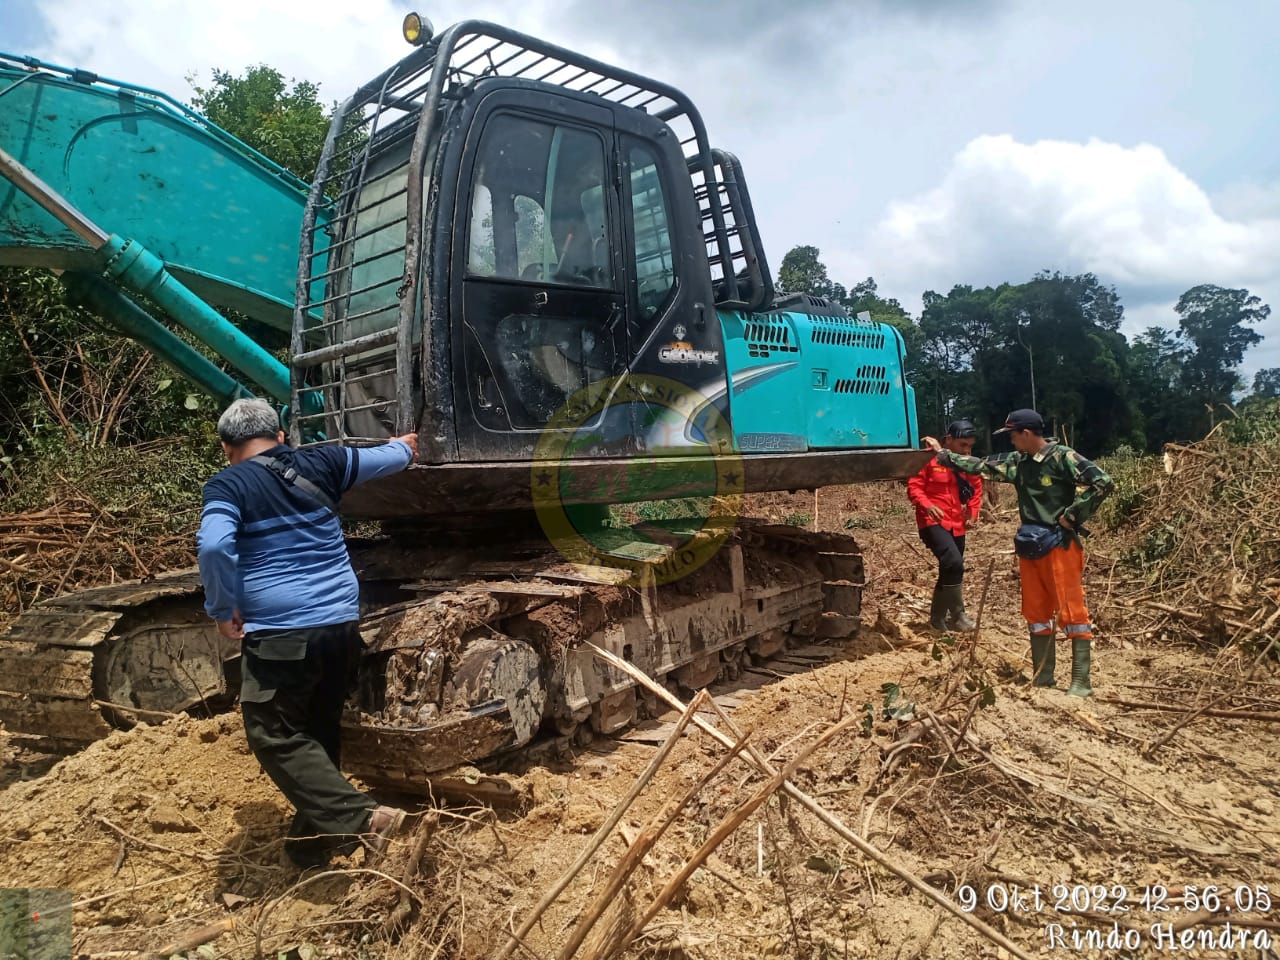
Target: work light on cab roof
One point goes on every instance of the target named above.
(417, 29)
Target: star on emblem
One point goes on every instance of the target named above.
(544, 478)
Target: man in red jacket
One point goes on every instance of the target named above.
(946, 501)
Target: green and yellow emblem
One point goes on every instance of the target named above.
(661, 510)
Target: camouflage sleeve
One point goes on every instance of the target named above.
(999, 467)
(1093, 484)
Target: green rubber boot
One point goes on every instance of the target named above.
(1081, 660)
(953, 596)
(1044, 658)
(938, 609)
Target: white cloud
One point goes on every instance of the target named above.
(1124, 212)
(1005, 210)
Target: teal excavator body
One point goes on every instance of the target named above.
(224, 219)
(538, 263)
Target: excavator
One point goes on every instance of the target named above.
(538, 263)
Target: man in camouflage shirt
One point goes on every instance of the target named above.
(1057, 488)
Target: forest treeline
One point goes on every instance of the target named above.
(1054, 342)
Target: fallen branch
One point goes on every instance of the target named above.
(161, 715)
(1189, 614)
(1196, 817)
(1261, 717)
(829, 819)
(1213, 704)
(196, 938)
(637, 849)
(728, 825)
(1017, 773)
(261, 919)
(398, 919)
(148, 845)
(687, 715)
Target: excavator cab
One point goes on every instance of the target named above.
(556, 195)
(553, 241)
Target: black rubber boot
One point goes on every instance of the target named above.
(1044, 658)
(954, 597)
(938, 609)
(1081, 661)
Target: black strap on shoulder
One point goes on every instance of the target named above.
(293, 478)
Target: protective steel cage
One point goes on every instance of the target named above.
(357, 322)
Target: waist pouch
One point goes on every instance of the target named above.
(1034, 540)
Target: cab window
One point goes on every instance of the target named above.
(655, 265)
(538, 210)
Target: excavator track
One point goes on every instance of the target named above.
(485, 651)
(76, 667)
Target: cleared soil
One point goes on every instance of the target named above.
(1065, 819)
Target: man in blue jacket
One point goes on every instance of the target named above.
(278, 580)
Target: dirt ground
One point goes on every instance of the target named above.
(1064, 825)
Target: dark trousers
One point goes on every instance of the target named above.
(294, 683)
(949, 549)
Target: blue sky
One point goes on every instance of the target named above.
(923, 142)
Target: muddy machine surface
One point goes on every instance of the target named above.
(538, 263)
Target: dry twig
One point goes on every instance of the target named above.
(824, 815)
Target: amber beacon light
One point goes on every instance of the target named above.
(416, 29)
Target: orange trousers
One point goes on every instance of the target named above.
(1052, 589)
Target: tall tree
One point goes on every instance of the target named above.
(1064, 333)
(281, 120)
(1214, 321)
(1053, 343)
(1266, 383)
(956, 329)
(803, 272)
(1156, 361)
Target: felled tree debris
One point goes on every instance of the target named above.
(76, 543)
(1199, 542)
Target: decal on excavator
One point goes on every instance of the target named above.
(668, 416)
(681, 351)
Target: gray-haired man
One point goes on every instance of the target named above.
(278, 579)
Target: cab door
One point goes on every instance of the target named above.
(674, 335)
(577, 259)
(540, 310)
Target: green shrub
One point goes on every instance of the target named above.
(156, 485)
(1134, 475)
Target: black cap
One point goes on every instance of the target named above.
(1025, 419)
(962, 429)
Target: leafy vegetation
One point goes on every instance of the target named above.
(1196, 528)
(283, 121)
